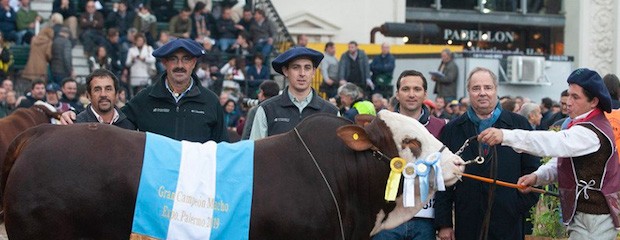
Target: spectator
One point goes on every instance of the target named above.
(27, 21)
(56, 23)
(509, 105)
(154, 108)
(262, 32)
(231, 115)
(445, 83)
(8, 18)
(518, 102)
(102, 89)
(146, 23)
(298, 100)
(139, 61)
(192, 3)
(242, 47)
(69, 15)
(302, 40)
(382, 68)
(180, 25)
(329, 71)
(11, 100)
(51, 97)
(114, 51)
(267, 89)
(233, 70)
(212, 55)
(556, 120)
(440, 111)
(7, 84)
(164, 37)
(4, 107)
(37, 93)
(531, 112)
(40, 55)
(91, 23)
(411, 92)
(246, 20)
(353, 67)
(121, 97)
(378, 101)
(258, 70)
(6, 58)
(61, 64)
(227, 30)
(545, 107)
(351, 98)
(69, 90)
(585, 162)
(203, 22)
(463, 105)
(470, 197)
(100, 60)
(121, 20)
(612, 83)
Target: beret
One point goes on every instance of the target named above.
(52, 87)
(592, 82)
(294, 53)
(189, 45)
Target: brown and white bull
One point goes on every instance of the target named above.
(87, 189)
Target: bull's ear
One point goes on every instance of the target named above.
(363, 119)
(355, 137)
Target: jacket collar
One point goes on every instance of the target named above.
(285, 100)
(159, 90)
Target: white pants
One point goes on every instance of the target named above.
(591, 226)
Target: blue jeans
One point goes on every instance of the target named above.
(416, 228)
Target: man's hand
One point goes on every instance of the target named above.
(527, 180)
(446, 233)
(67, 118)
(491, 136)
(329, 81)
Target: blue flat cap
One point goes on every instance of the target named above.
(283, 59)
(189, 45)
(52, 87)
(592, 82)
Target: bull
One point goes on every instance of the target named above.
(88, 188)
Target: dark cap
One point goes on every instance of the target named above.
(52, 87)
(189, 45)
(294, 53)
(592, 82)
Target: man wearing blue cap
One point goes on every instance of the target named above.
(177, 106)
(282, 113)
(586, 164)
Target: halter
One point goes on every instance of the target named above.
(331, 192)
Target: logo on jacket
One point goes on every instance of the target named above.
(165, 110)
(281, 119)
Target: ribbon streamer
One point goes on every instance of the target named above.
(422, 170)
(409, 187)
(433, 161)
(391, 189)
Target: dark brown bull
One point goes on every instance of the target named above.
(87, 189)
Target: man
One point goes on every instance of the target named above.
(102, 86)
(378, 101)
(180, 25)
(586, 166)
(267, 90)
(115, 51)
(545, 108)
(411, 91)
(470, 197)
(557, 119)
(37, 93)
(329, 71)
(247, 19)
(612, 83)
(91, 23)
(7, 84)
(445, 85)
(302, 40)
(4, 107)
(69, 94)
(262, 31)
(26, 20)
(176, 106)
(382, 68)
(353, 68)
(351, 98)
(282, 113)
(8, 17)
(121, 20)
(61, 64)
(440, 111)
(227, 29)
(51, 97)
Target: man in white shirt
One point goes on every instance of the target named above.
(586, 166)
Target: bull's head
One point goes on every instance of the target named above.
(412, 142)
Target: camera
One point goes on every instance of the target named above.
(249, 102)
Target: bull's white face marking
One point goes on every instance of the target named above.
(404, 128)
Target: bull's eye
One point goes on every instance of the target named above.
(414, 145)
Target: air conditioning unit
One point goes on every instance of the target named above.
(525, 69)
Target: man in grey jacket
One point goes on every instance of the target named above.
(445, 86)
(354, 68)
(61, 64)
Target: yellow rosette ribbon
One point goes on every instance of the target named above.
(391, 189)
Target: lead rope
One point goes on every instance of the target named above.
(326, 182)
(486, 223)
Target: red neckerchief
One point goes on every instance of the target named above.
(594, 112)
